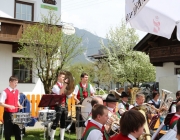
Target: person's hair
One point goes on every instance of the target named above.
(178, 127)
(13, 78)
(98, 109)
(62, 73)
(154, 94)
(131, 121)
(83, 74)
(94, 101)
(178, 93)
(178, 107)
(139, 94)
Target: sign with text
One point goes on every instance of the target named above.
(52, 2)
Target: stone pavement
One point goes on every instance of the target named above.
(36, 126)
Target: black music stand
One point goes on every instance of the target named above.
(50, 100)
(56, 100)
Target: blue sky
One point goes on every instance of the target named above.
(96, 16)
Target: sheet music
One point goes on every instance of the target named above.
(170, 135)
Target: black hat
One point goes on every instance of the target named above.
(124, 94)
(110, 98)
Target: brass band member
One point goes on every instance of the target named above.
(176, 117)
(133, 129)
(178, 130)
(173, 106)
(155, 101)
(140, 98)
(94, 101)
(82, 91)
(9, 99)
(95, 127)
(61, 110)
(123, 104)
(110, 101)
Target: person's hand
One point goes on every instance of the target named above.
(21, 107)
(66, 81)
(77, 101)
(11, 107)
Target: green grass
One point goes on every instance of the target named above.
(38, 134)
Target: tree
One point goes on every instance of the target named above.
(48, 49)
(79, 68)
(127, 65)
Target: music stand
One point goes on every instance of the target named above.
(56, 100)
(45, 100)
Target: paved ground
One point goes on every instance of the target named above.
(38, 125)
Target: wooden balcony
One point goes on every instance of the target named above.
(11, 30)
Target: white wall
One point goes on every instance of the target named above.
(167, 79)
(168, 69)
(7, 8)
(6, 56)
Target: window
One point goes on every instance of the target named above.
(177, 71)
(24, 74)
(24, 11)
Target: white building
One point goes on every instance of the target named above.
(165, 56)
(13, 15)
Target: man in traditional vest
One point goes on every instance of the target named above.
(173, 105)
(61, 110)
(82, 91)
(131, 126)
(9, 99)
(95, 127)
(123, 104)
(110, 102)
(176, 117)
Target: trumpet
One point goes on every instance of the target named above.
(114, 125)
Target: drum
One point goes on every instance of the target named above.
(21, 118)
(47, 115)
(86, 110)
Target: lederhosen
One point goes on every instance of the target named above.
(9, 126)
(61, 112)
(81, 96)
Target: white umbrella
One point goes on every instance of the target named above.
(158, 17)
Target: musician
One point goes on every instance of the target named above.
(61, 110)
(82, 91)
(173, 107)
(176, 117)
(140, 98)
(95, 127)
(123, 104)
(155, 101)
(131, 126)
(9, 99)
(178, 130)
(94, 101)
(110, 101)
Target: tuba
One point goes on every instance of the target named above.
(166, 102)
(70, 84)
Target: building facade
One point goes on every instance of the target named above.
(14, 16)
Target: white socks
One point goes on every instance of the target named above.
(62, 131)
(78, 133)
(52, 133)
